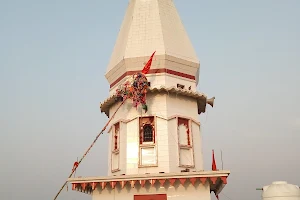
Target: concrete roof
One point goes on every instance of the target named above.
(216, 179)
(148, 26)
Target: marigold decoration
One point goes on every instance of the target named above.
(135, 88)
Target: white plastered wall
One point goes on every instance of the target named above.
(164, 107)
(173, 145)
(132, 150)
(109, 150)
(162, 80)
(197, 144)
(182, 105)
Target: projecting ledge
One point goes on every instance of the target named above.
(200, 97)
(216, 180)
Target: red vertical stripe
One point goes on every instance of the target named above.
(214, 166)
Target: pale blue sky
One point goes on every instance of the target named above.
(53, 56)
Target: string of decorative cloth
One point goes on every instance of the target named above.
(135, 90)
(76, 164)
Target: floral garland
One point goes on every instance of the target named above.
(135, 89)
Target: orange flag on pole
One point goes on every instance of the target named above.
(148, 64)
(214, 165)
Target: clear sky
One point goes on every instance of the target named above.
(53, 56)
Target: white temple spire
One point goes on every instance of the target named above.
(153, 25)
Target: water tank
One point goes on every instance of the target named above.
(281, 190)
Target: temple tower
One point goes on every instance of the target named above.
(155, 154)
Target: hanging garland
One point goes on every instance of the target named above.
(135, 89)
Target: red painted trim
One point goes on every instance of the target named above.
(85, 186)
(103, 184)
(94, 185)
(154, 71)
(193, 180)
(203, 180)
(182, 180)
(213, 179)
(150, 196)
(188, 137)
(117, 130)
(162, 182)
(172, 181)
(153, 134)
(123, 183)
(152, 181)
(142, 182)
(113, 184)
(224, 179)
(132, 183)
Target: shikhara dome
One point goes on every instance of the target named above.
(148, 26)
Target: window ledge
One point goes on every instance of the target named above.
(147, 145)
(116, 151)
(145, 166)
(115, 170)
(187, 166)
(183, 146)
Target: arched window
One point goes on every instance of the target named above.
(185, 142)
(147, 149)
(147, 133)
(184, 131)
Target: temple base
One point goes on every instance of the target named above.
(191, 185)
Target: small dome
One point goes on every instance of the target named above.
(281, 190)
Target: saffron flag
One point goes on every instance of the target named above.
(148, 64)
(75, 166)
(214, 166)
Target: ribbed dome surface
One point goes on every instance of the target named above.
(281, 190)
(148, 26)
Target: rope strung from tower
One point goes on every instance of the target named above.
(76, 164)
(134, 89)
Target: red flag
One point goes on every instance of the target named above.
(75, 166)
(214, 166)
(148, 64)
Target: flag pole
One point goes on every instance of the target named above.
(222, 159)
